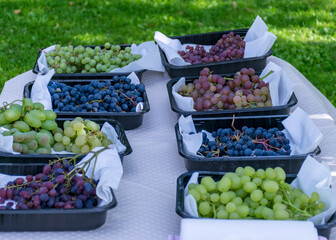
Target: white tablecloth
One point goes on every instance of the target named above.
(146, 196)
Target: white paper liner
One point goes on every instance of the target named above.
(150, 59)
(41, 94)
(108, 171)
(320, 183)
(302, 133)
(215, 229)
(280, 86)
(258, 42)
(109, 130)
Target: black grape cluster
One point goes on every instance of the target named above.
(117, 95)
(213, 92)
(228, 47)
(57, 186)
(245, 142)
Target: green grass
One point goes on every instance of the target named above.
(305, 29)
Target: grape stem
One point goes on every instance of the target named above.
(269, 73)
(6, 104)
(295, 208)
(41, 50)
(127, 97)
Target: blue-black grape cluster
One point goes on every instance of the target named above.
(117, 95)
(228, 47)
(245, 142)
(57, 186)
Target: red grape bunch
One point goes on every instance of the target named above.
(228, 47)
(62, 184)
(213, 92)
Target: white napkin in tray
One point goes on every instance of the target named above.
(258, 42)
(222, 229)
(313, 176)
(150, 59)
(108, 171)
(302, 132)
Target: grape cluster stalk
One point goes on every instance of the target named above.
(245, 142)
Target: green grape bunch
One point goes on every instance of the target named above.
(79, 136)
(79, 59)
(30, 125)
(250, 194)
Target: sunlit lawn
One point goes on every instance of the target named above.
(305, 29)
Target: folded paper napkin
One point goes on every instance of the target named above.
(7, 141)
(107, 170)
(258, 42)
(281, 88)
(41, 94)
(150, 59)
(301, 131)
(221, 229)
(313, 176)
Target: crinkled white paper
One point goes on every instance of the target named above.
(108, 170)
(258, 42)
(302, 133)
(280, 86)
(223, 229)
(313, 176)
(150, 59)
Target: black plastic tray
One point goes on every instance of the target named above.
(258, 63)
(291, 163)
(129, 120)
(87, 75)
(53, 219)
(182, 181)
(274, 110)
(21, 163)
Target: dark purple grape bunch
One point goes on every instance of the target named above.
(57, 186)
(227, 48)
(245, 142)
(117, 95)
(213, 92)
